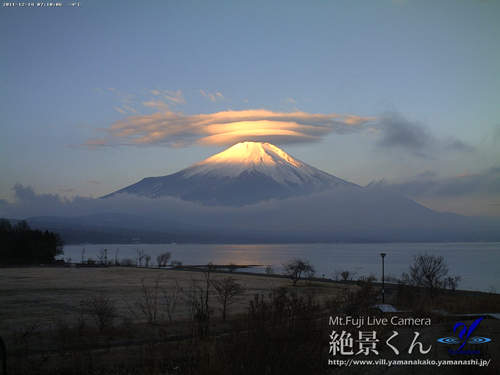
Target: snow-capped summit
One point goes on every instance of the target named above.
(246, 155)
(245, 173)
(262, 158)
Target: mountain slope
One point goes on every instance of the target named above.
(335, 215)
(255, 193)
(245, 173)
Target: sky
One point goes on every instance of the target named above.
(405, 94)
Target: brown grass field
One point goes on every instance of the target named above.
(47, 294)
(48, 329)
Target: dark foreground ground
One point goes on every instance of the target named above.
(126, 320)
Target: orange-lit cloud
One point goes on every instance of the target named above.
(158, 104)
(228, 127)
(173, 97)
(213, 97)
(125, 109)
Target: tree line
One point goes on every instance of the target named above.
(19, 244)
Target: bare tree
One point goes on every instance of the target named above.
(347, 275)
(163, 259)
(430, 272)
(226, 290)
(207, 273)
(102, 257)
(140, 257)
(198, 297)
(451, 282)
(156, 301)
(297, 268)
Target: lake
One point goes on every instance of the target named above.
(478, 264)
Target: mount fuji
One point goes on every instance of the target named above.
(246, 173)
(257, 193)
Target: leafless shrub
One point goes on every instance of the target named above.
(170, 299)
(26, 334)
(283, 337)
(226, 291)
(197, 297)
(102, 309)
(64, 334)
(26, 339)
(282, 306)
(149, 303)
(163, 259)
(269, 270)
(80, 320)
(156, 302)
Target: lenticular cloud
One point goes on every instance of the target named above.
(227, 127)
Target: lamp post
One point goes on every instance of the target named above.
(383, 277)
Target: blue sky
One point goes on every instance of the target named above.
(427, 73)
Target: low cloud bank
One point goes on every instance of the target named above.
(340, 215)
(428, 184)
(399, 133)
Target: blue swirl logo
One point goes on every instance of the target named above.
(449, 340)
(455, 340)
(479, 340)
(464, 335)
